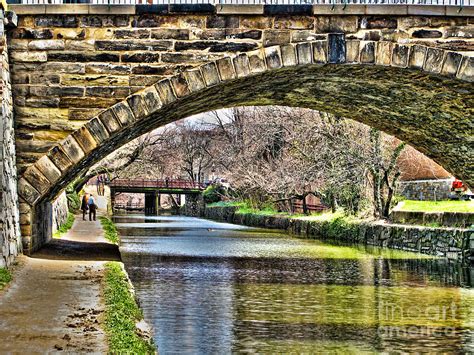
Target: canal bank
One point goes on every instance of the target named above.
(452, 243)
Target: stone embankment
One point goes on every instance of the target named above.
(452, 243)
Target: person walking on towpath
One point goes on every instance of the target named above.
(84, 206)
(92, 208)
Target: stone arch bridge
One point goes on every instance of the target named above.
(79, 81)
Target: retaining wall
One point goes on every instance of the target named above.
(452, 243)
(10, 241)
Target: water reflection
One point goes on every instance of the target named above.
(218, 288)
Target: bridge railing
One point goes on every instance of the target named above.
(251, 2)
(158, 183)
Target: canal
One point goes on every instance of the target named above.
(209, 287)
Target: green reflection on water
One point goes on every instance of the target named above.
(357, 305)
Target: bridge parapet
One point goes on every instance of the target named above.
(67, 68)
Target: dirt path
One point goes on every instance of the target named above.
(54, 301)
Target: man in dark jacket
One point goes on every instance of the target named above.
(92, 208)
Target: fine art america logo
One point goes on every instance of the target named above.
(417, 320)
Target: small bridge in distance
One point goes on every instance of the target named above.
(153, 189)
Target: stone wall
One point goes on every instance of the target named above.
(425, 190)
(60, 211)
(10, 241)
(453, 243)
(71, 65)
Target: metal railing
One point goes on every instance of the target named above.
(163, 184)
(460, 3)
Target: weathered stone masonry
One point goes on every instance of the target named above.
(10, 241)
(85, 84)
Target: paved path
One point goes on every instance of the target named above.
(54, 302)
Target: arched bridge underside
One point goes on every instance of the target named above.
(421, 95)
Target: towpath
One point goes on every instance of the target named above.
(54, 302)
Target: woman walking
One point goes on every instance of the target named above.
(84, 205)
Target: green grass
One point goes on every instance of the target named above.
(121, 314)
(438, 206)
(226, 204)
(110, 230)
(5, 277)
(63, 228)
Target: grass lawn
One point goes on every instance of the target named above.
(5, 277)
(65, 226)
(438, 206)
(122, 314)
(110, 231)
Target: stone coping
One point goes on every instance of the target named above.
(223, 9)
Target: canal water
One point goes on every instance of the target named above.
(209, 287)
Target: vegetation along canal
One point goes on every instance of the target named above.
(209, 287)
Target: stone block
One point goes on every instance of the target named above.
(451, 63)
(339, 9)
(170, 33)
(28, 192)
(210, 74)
(293, 22)
(386, 10)
(243, 34)
(352, 51)
(426, 34)
(306, 36)
(138, 106)
(426, 10)
(239, 9)
(257, 61)
(72, 149)
(274, 37)
(112, 10)
(367, 52)
(85, 139)
(466, 11)
(165, 90)
(121, 112)
(48, 169)
(466, 70)
(218, 21)
(180, 86)
(273, 57)
(67, 9)
(97, 129)
(256, 22)
(336, 48)
(60, 159)
(133, 45)
(29, 56)
(288, 55)
(320, 49)
(37, 179)
(152, 99)
(460, 31)
(417, 55)
(194, 79)
(132, 33)
(378, 22)
(141, 57)
(336, 24)
(434, 60)
(47, 44)
(105, 68)
(108, 91)
(400, 55)
(305, 53)
(226, 69)
(109, 120)
(26, 9)
(80, 57)
(241, 65)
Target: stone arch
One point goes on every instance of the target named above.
(419, 94)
